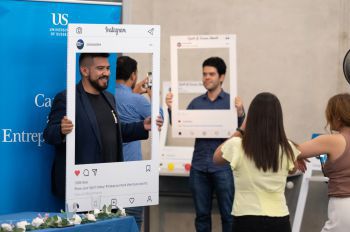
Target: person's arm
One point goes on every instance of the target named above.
(147, 123)
(218, 154)
(133, 131)
(240, 110)
(169, 102)
(58, 124)
(332, 145)
(139, 130)
(296, 164)
(139, 87)
(299, 164)
(217, 158)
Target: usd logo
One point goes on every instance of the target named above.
(59, 19)
(80, 44)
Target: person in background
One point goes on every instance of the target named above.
(261, 157)
(207, 178)
(337, 167)
(132, 107)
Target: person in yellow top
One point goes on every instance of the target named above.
(261, 157)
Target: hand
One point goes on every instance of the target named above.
(236, 134)
(169, 100)
(139, 87)
(159, 122)
(147, 123)
(239, 106)
(301, 164)
(149, 92)
(66, 125)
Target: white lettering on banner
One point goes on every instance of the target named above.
(59, 19)
(59, 23)
(22, 137)
(42, 101)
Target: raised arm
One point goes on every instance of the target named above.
(169, 102)
(240, 110)
(332, 145)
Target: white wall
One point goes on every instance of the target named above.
(293, 49)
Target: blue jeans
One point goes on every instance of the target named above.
(203, 185)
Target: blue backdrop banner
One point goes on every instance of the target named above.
(33, 60)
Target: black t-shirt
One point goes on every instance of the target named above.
(107, 124)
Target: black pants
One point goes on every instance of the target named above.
(261, 224)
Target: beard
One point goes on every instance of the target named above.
(97, 86)
(133, 85)
(211, 86)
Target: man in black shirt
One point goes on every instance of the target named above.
(99, 134)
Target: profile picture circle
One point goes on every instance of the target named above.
(80, 44)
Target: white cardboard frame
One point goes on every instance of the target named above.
(130, 183)
(203, 123)
(176, 156)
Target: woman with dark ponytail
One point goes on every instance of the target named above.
(261, 157)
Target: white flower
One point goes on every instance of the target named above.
(77, 219)
(59, 220)
(108, 212)
(22, 225)
(122, 212)
(6, 227)
(37, 222)
(96, 211)
(90, 217)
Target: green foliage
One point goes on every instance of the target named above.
(18, 230)
(59, 221)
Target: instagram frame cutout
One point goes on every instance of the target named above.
(119, 184)
(202, 123)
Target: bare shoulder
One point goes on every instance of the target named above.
(334, 139)
(337, 145)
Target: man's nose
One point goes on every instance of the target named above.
(106, 72)
(206, 76)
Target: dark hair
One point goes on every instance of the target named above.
(84, 56)
(264, 133)
(125, 67)
(338, 111)
(217, 63)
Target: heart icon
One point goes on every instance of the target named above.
(131, 200)
(77, 172)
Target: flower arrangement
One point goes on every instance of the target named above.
(105, 213)
(43, 222)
